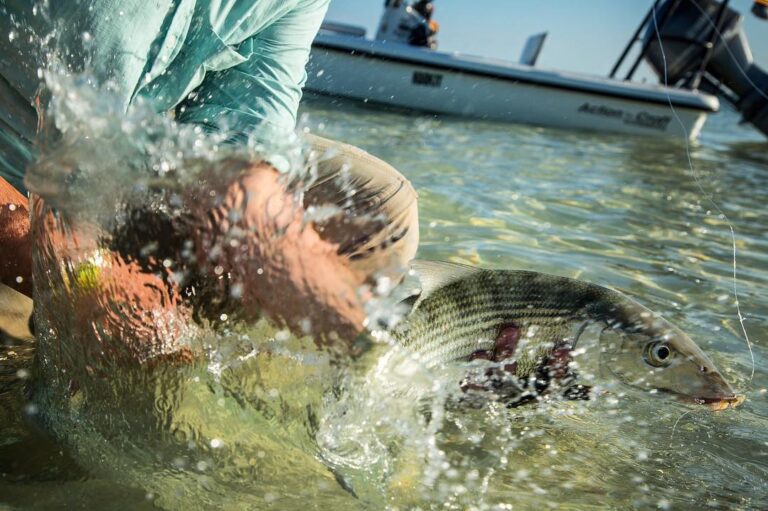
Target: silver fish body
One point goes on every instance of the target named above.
(461, 310)
(464, 315)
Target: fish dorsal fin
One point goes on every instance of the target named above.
(15, 311)
(435, 274)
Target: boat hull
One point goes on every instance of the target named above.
(440, 88)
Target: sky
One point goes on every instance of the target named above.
(586, 36)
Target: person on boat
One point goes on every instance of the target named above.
(425, 31)
(241, 64)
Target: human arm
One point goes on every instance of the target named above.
(247, 233)
(253, 231)
(264, 91)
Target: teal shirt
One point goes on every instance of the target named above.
(238, 62)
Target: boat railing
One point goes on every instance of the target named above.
(708, 44)
(700, 45)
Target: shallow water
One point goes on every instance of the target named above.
(627, 213)
(268, 421)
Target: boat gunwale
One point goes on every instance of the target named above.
(696, 101)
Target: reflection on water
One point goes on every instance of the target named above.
(266, 420)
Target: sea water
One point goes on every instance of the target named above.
(630, 213)
(266, 420)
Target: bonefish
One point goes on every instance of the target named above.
(463, 312)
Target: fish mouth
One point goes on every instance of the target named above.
(716, 404)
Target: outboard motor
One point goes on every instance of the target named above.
(705, 47)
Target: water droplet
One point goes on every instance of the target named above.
(217, 443)
(236, 291)
(12, 35)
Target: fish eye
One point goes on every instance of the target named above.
(658, 354)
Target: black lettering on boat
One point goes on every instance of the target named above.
(646, 120)
(427, 79)
(602, 110)
(641, 119)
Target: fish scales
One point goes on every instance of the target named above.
(474, 326)
(465, 316)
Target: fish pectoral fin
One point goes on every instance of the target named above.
(435, 274)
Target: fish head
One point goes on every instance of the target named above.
(659, 357)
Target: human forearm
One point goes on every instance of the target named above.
(253, 233)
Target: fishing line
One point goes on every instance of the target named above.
(674, 426)
(708, 196)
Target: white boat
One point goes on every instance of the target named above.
(344, 63)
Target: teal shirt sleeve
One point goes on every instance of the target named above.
(262, 92)
(242, 61)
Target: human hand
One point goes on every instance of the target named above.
(252, 233)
